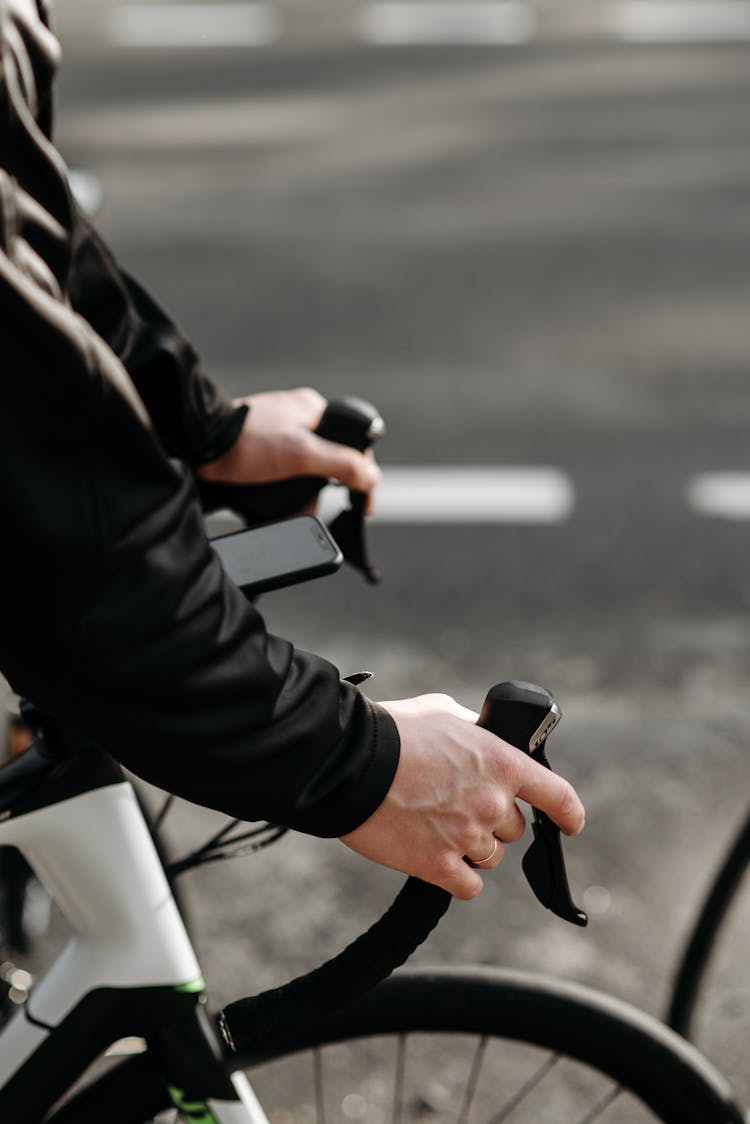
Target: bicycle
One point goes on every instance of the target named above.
(130, 969)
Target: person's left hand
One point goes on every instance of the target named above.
(277, 442)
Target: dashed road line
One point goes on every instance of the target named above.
(486, 494)
(469, 494)
(681, 21)
(180, 26)
(396, 23)
(460, 22)
(724, 495)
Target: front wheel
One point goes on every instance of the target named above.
(482, 1046)
(466, 1046)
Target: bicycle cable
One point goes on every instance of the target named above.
(219, 847)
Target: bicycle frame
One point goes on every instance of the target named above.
(128, 969)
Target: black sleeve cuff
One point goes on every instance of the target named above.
(221, 436)
(347, 807)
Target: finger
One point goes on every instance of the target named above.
(492, 857)
(554, 795)
(370, 505)
(339, 462)
(459, 879)
(512, 826)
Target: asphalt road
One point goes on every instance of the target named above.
(536, 255)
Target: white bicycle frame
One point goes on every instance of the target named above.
(94, 854)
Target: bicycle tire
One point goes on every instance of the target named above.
(621, 1048)
(614, 1039)
(705, 934)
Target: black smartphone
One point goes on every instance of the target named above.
(274, 555)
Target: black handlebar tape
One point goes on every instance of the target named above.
(378, 952)
(347, 421)
(275, 1014)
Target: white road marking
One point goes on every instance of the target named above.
(470, 22)
(722, 494)
(194, 25)
(681, 21)
(469, 494)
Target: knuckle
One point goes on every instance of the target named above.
(516, 828)
(513, 765)
(568, 804)
(563, 800)
(310, 396)
(495, 805)
(442, 862)
(566, 798)
(443, 865)
(473, 838)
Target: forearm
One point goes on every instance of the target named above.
(179, 678)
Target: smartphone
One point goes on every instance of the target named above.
(274, 555)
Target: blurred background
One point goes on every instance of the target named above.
(523, 230)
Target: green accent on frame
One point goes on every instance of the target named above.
(197, 1112)
(192, 986)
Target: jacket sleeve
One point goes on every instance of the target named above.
(116, 614)
(194, 421)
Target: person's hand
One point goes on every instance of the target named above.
(453, 794)
(277, 442)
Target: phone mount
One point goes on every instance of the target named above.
(347, 421)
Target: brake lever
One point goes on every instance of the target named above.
(348, 421)
(354, 422)
(524, 715)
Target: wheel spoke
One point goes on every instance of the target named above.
(472, 1081)
(398, 1079)
(320, 1108)
(498, 1047)
(600, 1108)
(527, 1088)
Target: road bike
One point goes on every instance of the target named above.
(505, 1038)
(470, 1045)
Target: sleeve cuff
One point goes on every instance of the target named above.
(222, 435)
(344, 810)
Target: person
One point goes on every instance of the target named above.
(115, 614)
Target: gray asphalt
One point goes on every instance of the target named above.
(531, 256)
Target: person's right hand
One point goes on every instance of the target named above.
(453, 794)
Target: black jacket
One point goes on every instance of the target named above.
(115, 614)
